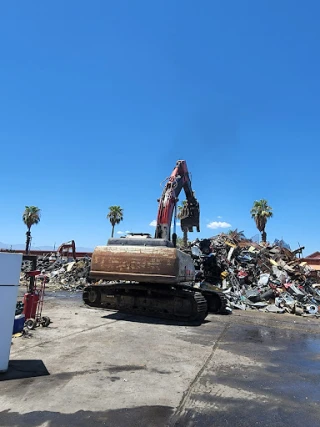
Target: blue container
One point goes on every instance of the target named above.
(18, 323)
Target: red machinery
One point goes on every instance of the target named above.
(190, 214)
(33, 301)
(67, 250)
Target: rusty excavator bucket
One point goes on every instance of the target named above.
(190, 215)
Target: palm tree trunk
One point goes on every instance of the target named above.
(264, 236)
(112, 233)
(185, 237)
(28, 234)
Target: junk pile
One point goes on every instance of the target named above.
(258, 277)
(71, 276)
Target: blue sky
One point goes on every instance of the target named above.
(99, 99)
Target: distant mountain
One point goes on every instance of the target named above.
(20, 247)
(7, 246)
(83, 249)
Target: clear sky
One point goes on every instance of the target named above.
(99, 99)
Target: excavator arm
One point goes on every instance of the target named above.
(178, 180)
(64, 249)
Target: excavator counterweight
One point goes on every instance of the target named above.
(141, 263)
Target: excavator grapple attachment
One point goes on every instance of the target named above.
(190, 216)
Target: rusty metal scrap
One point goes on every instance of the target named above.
(265, 278)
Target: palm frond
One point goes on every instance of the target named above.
(31, 216)
(115, 214)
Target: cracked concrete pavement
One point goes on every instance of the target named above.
(95, 367)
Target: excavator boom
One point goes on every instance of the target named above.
(178, 180)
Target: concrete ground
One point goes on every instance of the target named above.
(101, 368)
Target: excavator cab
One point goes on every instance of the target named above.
(190, 215)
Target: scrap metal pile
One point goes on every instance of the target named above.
(252, 276)
(61, 274)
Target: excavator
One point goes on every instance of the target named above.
(149, 276)
(67, 250)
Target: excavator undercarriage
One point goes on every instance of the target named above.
(167, 302)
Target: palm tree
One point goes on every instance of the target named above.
(31, 216)
(115, 216)
(236, 235)
(261, 212)
(185, 230)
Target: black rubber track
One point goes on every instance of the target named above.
(217, 301)
(167, 304)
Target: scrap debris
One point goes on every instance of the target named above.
(61, 274)
(252, 276)
(260, 277)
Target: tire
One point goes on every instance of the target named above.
(45, 321)
(31, 324)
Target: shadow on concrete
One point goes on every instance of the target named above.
(149, 320)
(19, 369)
(142, 416)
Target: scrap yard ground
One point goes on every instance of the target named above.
(102, 368)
